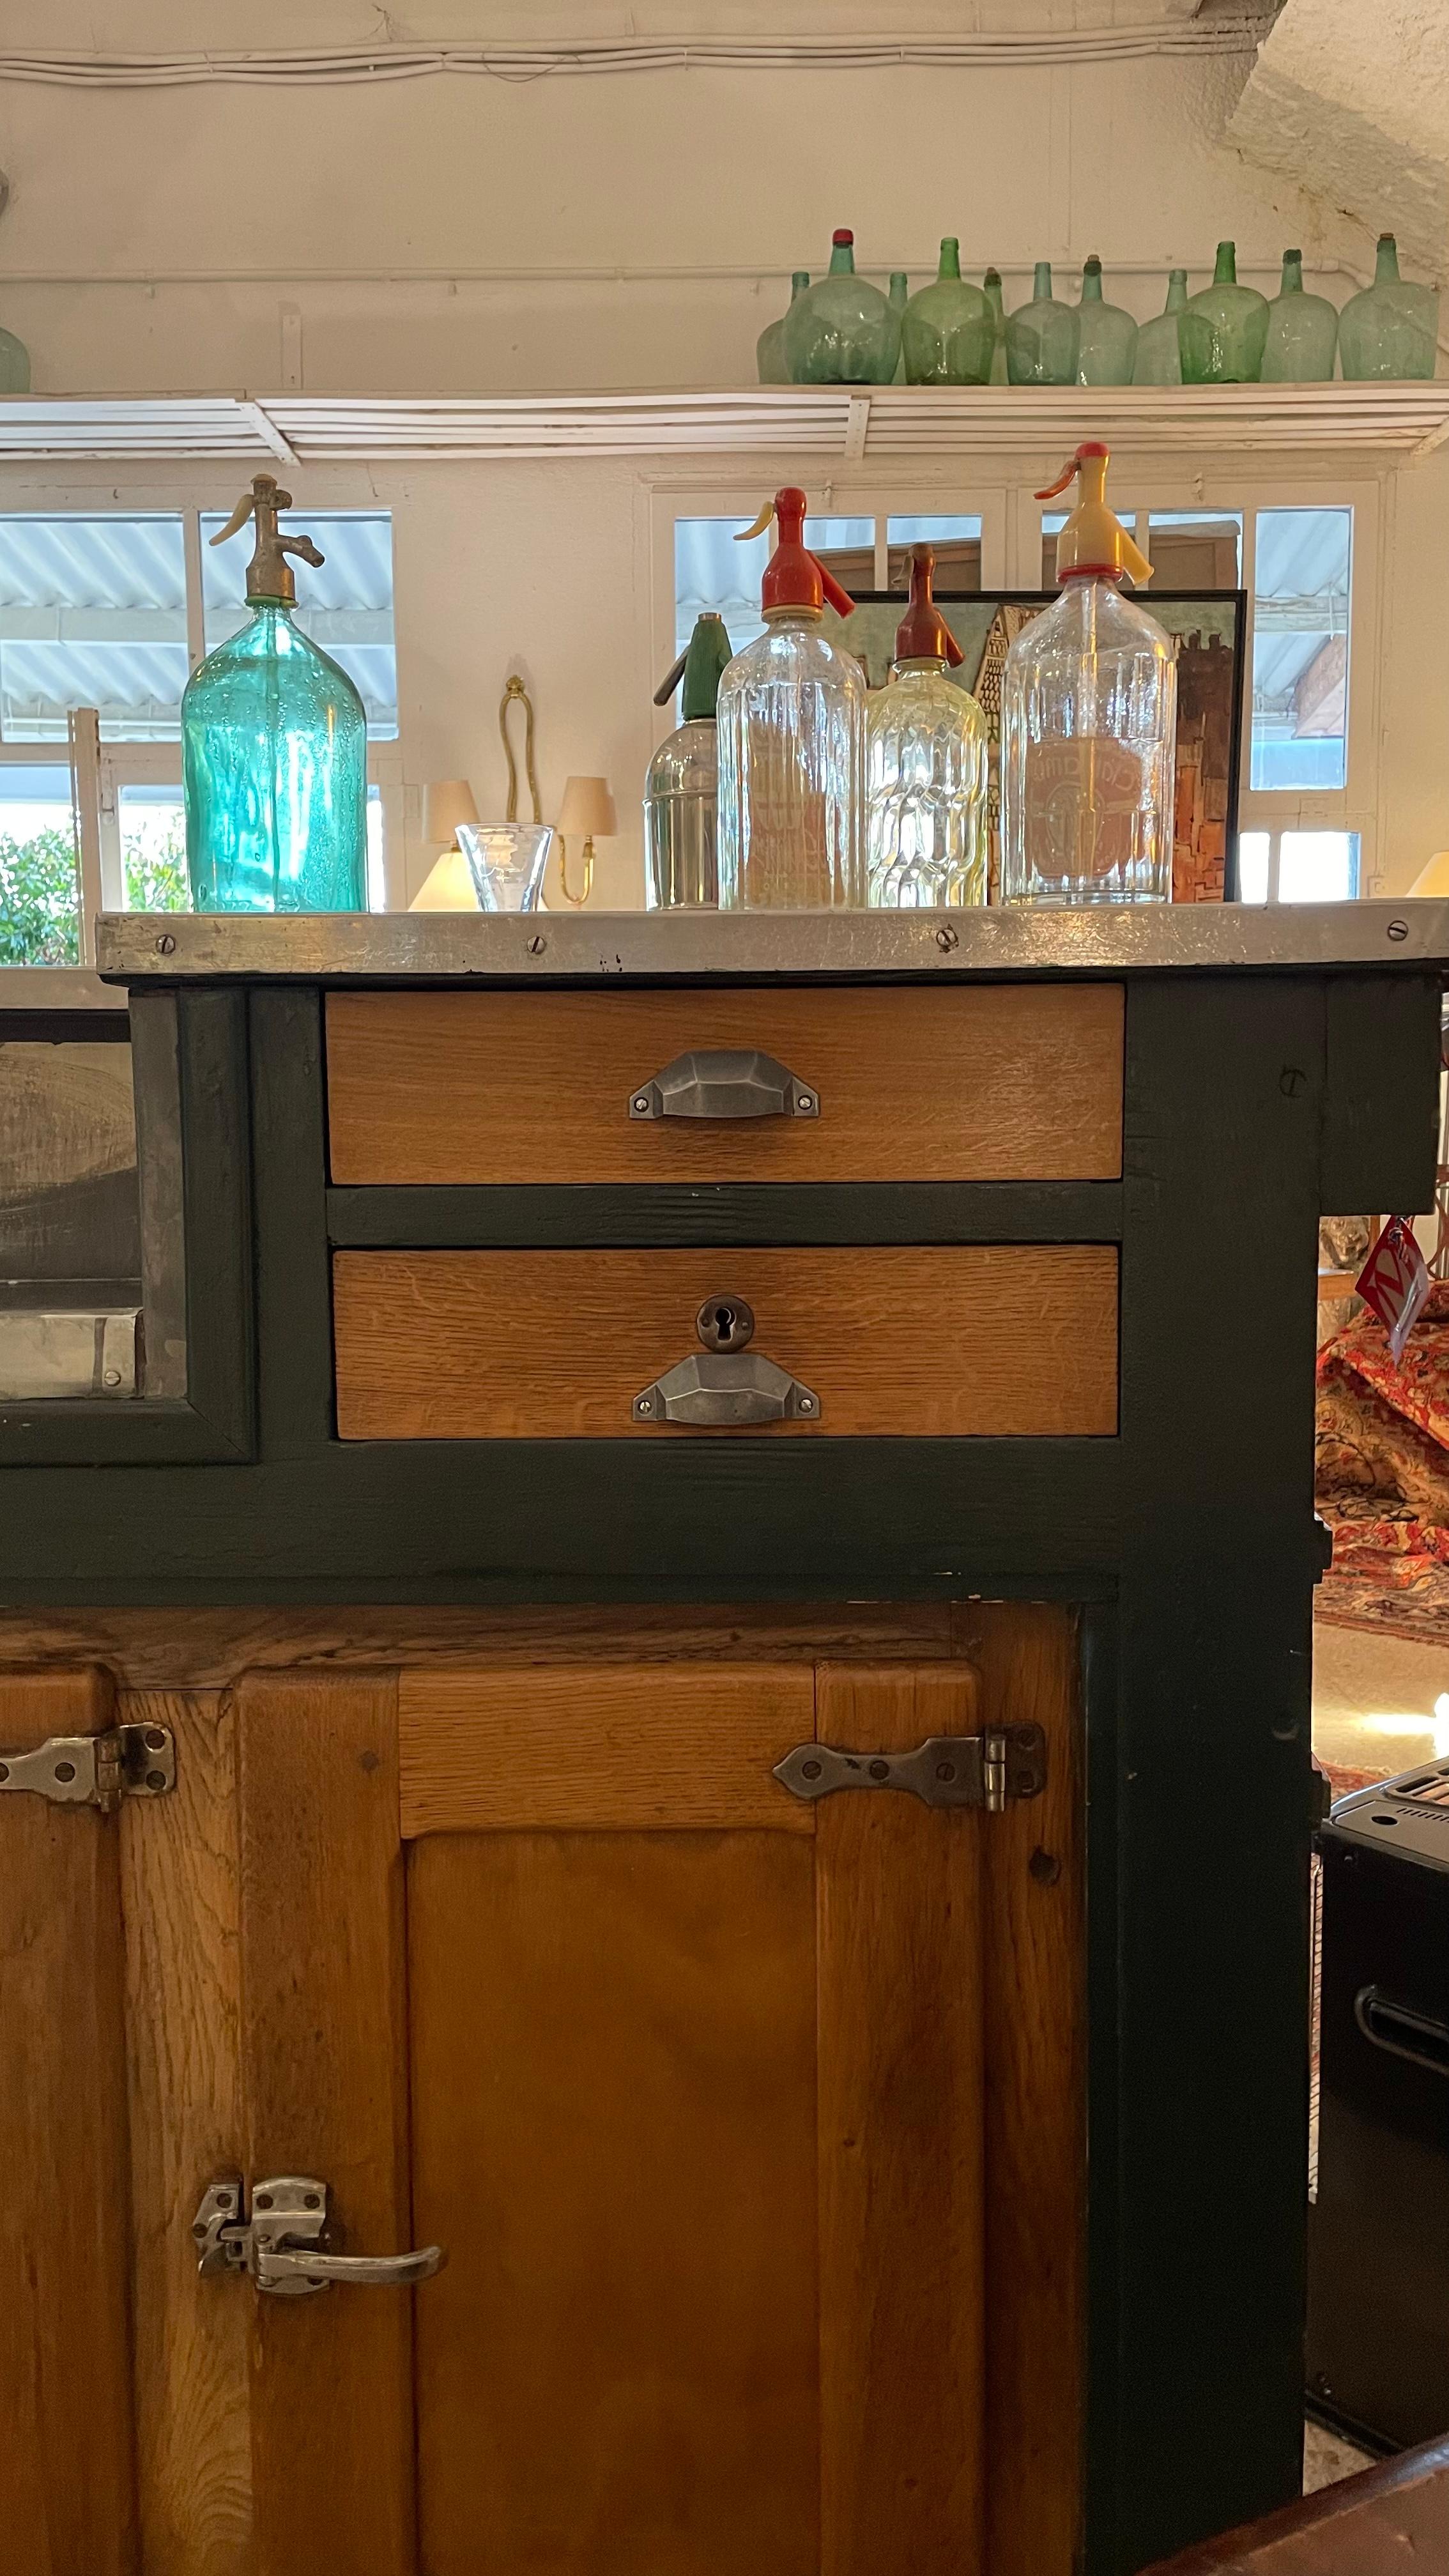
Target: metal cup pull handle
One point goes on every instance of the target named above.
(726, 1391)
(725, 1082)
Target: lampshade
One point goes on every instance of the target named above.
(447, 887)
(1434, 878)
(447, 803)
(588, 810)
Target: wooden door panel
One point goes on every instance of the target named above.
(614, 2135)
(323, 2043)
(902, 2294)
(69, 2485)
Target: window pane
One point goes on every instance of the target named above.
(1252, 867)
(711, 570)
(1300, 648)
(1195, 549)
(92, 614)
(39, 891)
(958, 551)
(153, 849)
(346, 606)
(376, 880)
(1318, 867)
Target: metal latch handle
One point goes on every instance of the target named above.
(725, 1082)
(280, 2244)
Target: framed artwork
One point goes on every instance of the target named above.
(1208, 628)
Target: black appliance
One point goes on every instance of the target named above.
(1378, 2238)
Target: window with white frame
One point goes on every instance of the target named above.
(112, 611)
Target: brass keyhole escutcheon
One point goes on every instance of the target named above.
(725, 1323)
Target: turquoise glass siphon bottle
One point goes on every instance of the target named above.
(1223, 328)
(14, 365)
(949, 331)
(1106, 334)
(1391, 329)
(1159, 359)
(842, 330)
(991, 289)
(770, 355)
(1302, 337)
(1041, 337)
(274, 749)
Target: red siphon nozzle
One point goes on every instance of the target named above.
(794, 577)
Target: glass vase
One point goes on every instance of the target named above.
(1302, 336)
(1223, 328)
(770, 358)
(1106, 334)
(1041, 337)
(1158, 359)
(949, 331)
(842, 330)
(1391, 330)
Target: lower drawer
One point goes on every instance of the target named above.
(993, 1339)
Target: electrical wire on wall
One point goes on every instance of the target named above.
(345, 66)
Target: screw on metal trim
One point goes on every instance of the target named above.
(806, 1102)
(155, 1779)
(879, 1770)
(1398, 930)
(640, 1102)
(807, 1403)
(811, 1770)
(165, 943)
(946, 937)
(537, 944)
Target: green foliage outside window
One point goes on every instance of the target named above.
(39, 900)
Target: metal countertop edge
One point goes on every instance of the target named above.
(547, 948)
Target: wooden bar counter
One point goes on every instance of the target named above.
(695, 1692)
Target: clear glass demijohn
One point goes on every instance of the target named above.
(1088, 726)
(926, 767)
(791, 723)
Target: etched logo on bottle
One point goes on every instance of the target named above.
(1088, 817)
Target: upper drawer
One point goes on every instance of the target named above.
(997, 1082)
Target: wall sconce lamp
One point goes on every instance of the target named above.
(588, 807)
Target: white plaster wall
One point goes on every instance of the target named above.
(1414, 705)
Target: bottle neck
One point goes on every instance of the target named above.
(798, 282)
(921, 666)
(950, 258)
(1176, 291)
(1041, 290)
(1226, 271)
(1292, 273)
(1386, 265)
(1092, 282)
(991, 283)
(900, 289)
(842, 259)
(777, 617)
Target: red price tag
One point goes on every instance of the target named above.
(1395, 1282)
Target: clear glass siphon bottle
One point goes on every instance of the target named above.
(1159, 358)
(1302, 339)
(842, 330)
(1088, 721)
(949, 331)
(792, 741)
(770, 358)
(925, 763)
(274, 749)
(1223, 328)
(1041, 337)
(1106, 334)
(1391, 329)
(681, 787)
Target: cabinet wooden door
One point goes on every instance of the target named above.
(749, 2124)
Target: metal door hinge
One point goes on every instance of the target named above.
(95, 1770)
(990, 1770)
(282, 2243)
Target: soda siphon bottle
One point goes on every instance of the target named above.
(274, 749)
(925, 767)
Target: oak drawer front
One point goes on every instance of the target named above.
(991, 1340)
(914, 1082)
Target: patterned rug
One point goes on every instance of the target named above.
(1383, 1475)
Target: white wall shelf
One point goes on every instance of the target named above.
(848, 423)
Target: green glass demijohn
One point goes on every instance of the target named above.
(1041, 337)
(1106, 334)
(14, 365)
(1223, 328)
(1302, 331)
(949, 331)
(898, 298)
(991, 289)
(842, 330)
(1158, 360)
(273, 749)
(1391, 329)
(770, 355)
